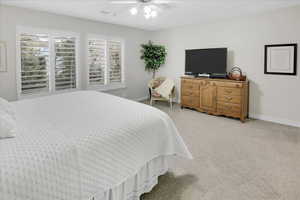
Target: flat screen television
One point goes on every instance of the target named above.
(206, 61)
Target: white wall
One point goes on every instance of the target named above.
(11, 17)
(272, 97)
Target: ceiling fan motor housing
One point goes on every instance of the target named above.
(145, 1)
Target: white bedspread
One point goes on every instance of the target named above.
(76, 145)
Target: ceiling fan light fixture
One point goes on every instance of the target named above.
(147, 9)
(134, 11)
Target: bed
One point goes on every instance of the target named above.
(86, 145)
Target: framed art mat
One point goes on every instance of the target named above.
(281, 59)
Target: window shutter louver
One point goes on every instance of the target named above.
(65, 63)
(97, 61)
(115, 61)
(34, 63)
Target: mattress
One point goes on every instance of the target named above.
(75, 146)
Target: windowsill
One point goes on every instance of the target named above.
(110, 87)
(44, 94)
(101, 88)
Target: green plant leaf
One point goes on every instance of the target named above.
(154, 56)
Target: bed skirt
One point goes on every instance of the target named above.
(142, 182)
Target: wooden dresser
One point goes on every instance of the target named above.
(216, 96)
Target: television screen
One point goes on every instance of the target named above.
(206, 61)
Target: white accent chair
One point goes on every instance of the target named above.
(154, 96)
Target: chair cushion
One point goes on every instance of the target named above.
(155, 94)
(156, 83)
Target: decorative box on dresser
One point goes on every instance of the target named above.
(216, 96)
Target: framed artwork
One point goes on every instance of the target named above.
(281, 59)
(3, 63)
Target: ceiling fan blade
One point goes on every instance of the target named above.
(167, 1)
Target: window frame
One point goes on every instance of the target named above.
(107, 86)
(52, 34)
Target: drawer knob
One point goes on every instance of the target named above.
(229, 98)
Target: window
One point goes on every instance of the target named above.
(114, 51)
(48, 62)
(97, 61)
(34, 63)
(105, 62)
(65, 63)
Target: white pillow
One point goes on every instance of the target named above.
(8, 126)
(7, 107)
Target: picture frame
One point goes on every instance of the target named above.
(281, 59)
(3, 57)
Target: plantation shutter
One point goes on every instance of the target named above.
(115, 62)
(97, 61)
(34, 63)
(65, 63)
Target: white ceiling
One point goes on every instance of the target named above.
(183, 13)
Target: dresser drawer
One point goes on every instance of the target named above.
(189, 81)
(190, 101)
(190, 92)
(229, 84)
(229, 91)
(228, 108)
(190, 89)
(229, 99)
(190, 86)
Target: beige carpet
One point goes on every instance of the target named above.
(233, 161)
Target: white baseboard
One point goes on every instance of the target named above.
(147, 97)
(254, 116)
(142, 98)
(275, 120)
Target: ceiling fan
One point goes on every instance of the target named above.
(150, 7)
(143, 1)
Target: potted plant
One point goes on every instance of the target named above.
(154, 57)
